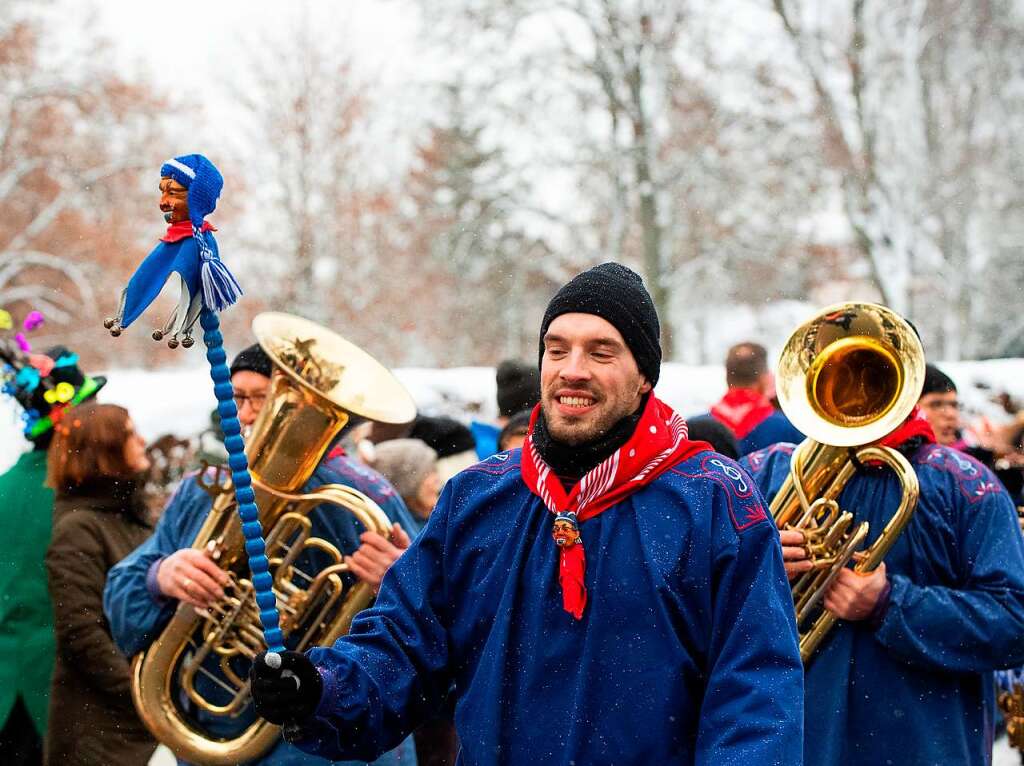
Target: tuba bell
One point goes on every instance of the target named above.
(319, 380)
(847, 377)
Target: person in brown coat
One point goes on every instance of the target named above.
(99, 518)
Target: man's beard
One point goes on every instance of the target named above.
(572, 460)
(582, 430)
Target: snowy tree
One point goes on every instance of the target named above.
(484, 269)
(615, 104)
(919, 104)
(75, 143)
(305, 108)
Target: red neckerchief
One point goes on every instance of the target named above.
(658, 443)
(742, 410)
(336, 451)
(916, 424)
(182, 230)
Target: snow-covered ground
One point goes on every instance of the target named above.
(179, 401)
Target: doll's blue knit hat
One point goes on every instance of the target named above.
(202, 179)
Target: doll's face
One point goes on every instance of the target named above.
(564, 533)
(173, 201)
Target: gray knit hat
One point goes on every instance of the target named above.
(405, 463)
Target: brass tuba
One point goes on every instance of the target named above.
(319, 379)
(846, 378)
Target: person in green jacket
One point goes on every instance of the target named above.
(45, 386)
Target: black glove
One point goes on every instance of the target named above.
(286, 689)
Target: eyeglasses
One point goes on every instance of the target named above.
(256, 401)
(940, 405)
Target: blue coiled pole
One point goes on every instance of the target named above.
(255, 547)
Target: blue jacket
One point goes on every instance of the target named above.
(773, 429)
(686, 652)
(136, 616)
(915, 687)
(485, 435)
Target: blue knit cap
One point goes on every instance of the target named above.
(202, 179)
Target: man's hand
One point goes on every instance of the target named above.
(286, 687)
(794, 554)
(371, 561)
(853, 596)
(190, 575)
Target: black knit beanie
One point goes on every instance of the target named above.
(617, 295)
(518, 387)
(254, 359)
(936, 381)
(446, 436)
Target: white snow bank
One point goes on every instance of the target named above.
(179, 401)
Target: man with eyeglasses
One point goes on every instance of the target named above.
(250, 381)
(941, 407)
(144, 590)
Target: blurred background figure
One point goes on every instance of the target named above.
(518, 387)
(452, 441)
(26, 510)
(210, 448)
(747, 409)
(941, 406)
(998, 448)
(514, 433)
(704, 428)
(95, 468)
(411, 467)
(170, 459)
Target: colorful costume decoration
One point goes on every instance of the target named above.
(44, 385)
(686, 654)
(913, 684)
(206, 288)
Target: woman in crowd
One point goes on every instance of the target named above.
(95, 464)
(411, 467)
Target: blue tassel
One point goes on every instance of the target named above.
(220, 288)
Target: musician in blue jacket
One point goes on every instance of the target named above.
(905, 676)
(612, 593)
(144, 590)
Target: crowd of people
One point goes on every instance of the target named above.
(589, 579)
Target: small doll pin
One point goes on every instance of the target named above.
(566, 530)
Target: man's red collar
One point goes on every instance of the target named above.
(916, 425)
(742, 410)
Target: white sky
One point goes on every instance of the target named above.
(199, 49)
(187, 54)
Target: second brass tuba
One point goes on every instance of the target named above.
(319, 380)
(847, 377)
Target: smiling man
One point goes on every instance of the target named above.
(613, 593)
